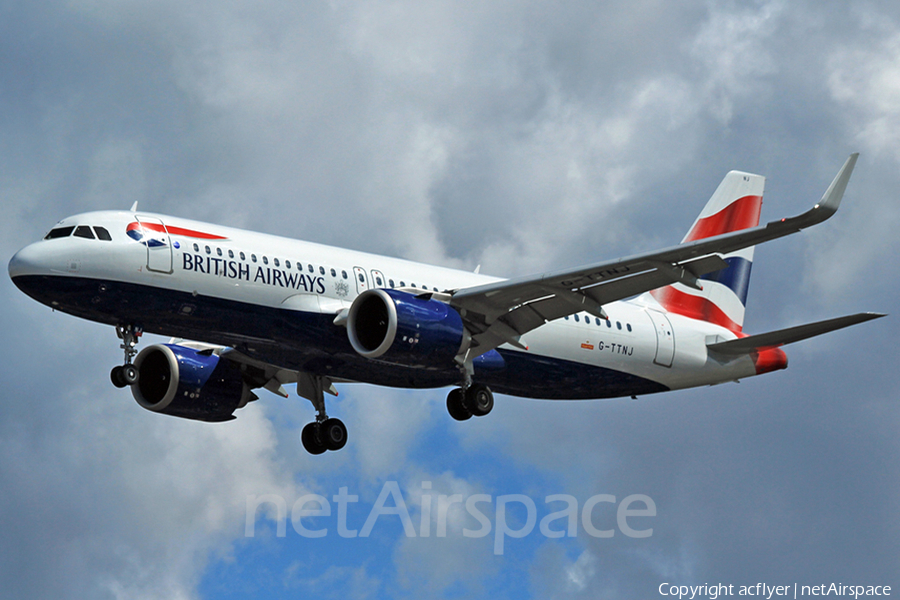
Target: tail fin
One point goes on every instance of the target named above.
(735, 205)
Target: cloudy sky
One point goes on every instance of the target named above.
(521, 136)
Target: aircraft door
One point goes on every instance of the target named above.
(665, 338)
(362, 281)
(155, 236)
(378, 280)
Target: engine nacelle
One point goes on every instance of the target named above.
(182, 382)
(403, 329)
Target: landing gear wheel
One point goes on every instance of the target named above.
(130, 374)
(127, 374)
(324, 433)
(479, 400)
(117, 378)
(333, 434)
(310, 438)
(455, 405)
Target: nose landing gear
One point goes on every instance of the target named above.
(127, 374)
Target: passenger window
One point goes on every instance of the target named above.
(344, 274)
(321, 270)
(253, 257)
(102, 234)
(265, 260)
(287, 264)
(230, 254)
(598, 320)
(196, 247)
(361, 278)
(576, 319)
(311, 269)
(333, 273)
(608, 323)
(208, 251)
(378, 281)
(628, 326)
(243, 256)
(391, 282)
(277, 264)
(83, 231)
(219, 251)
(618, 325)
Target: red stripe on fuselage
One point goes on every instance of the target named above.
(175, 231)
(743, 213)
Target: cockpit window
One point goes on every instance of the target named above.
(102, 234)
(83, 231)
(59, 232)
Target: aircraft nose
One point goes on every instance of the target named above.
(27, 261)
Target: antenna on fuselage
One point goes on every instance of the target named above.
(134, 206)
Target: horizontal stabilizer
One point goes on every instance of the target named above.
(773, 339)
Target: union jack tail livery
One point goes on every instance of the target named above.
(735, 205)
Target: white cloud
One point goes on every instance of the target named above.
(581, 572)
(429, 565)
(121, 501)
(732, 45)
(865, 78)
(862, 77)
(384, 425)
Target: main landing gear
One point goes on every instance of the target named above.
(475, 400)
(324, 433)
(126, 374)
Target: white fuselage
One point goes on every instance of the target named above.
(258, 292)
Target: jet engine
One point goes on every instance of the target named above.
(405, 329)
(183, 382)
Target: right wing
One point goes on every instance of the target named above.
(501, 312)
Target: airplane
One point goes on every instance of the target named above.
(265, 311)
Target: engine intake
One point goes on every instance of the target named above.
(182, 382)
(404, 329)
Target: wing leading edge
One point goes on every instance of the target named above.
(501, 312)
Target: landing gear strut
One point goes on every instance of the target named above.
(324, 433)
(126, 374)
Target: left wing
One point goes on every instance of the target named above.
(501, 312)
(260, 374)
